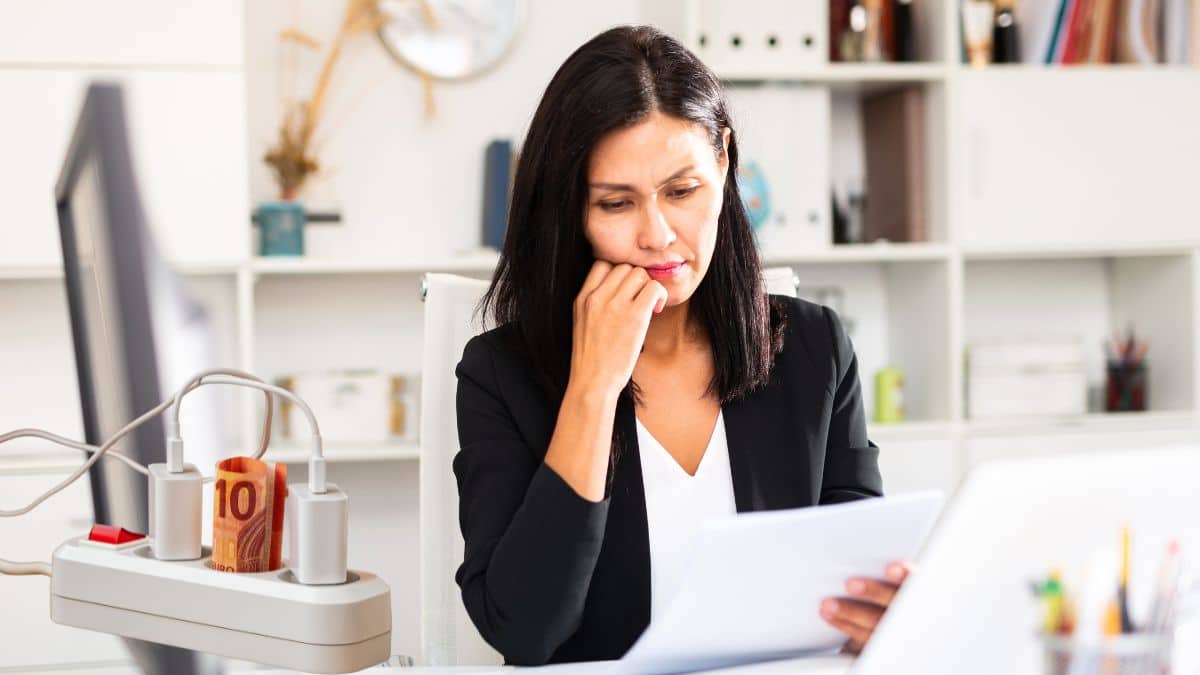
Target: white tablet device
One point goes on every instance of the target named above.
(968, 607)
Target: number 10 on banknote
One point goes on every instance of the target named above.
(248, 504)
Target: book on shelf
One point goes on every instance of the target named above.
(871, 31)
(1110, 31)
(497, 184)
(895, 144)
(1194, 10)
(1177, 31)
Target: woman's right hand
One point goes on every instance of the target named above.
(612, 313)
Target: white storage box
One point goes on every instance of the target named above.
(784, 131)
(352, 406)
(750, 39)
(1017, 379)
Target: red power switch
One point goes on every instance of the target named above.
(111, 534)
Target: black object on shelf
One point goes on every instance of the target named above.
(841, 224)
(309, 217)
(1005, 40)
(848, 226)
(1125, 386)
(839, 22)
(903, 31)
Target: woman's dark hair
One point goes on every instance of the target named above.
(613, 81)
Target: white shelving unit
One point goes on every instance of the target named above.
(1025, 240)
(916, 305)
(1055, 207)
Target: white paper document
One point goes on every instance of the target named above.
(756, 580)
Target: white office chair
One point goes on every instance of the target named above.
(781, 281)
(447, 635)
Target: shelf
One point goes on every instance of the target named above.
(1179, 420)
(30, 461)
(1090, 423)
(346, 452)
(898, 432)
(1068, 69)
(859, 253)
(53, 461)
(846, 76)
(474, 262)
(486, 262)
(1061, 251)
(55, 272)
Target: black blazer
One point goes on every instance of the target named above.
(549, 576)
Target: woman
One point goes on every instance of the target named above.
(640, 380)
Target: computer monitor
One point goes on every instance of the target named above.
(136, 332)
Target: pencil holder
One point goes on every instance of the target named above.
(1130, 654)
(1125, 387)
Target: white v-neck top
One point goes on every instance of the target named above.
(678, 504)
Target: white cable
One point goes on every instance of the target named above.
(175, 442)
(55, 438)
(128, 428)
(316, 459)
(10, 567)
(18, 568)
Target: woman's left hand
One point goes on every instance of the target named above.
(858, 614)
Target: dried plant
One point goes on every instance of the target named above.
(291, 159)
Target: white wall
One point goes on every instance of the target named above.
(181, 65)
(408, 187)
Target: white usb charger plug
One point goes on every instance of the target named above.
(318, 523)
(317, 516)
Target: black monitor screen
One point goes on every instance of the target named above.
(114, 280)
(100, 222)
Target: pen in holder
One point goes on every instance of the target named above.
(1125, 386)
(1125, 376)
(1106, 638)
(1126, 654)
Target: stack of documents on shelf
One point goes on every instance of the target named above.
(1026, 378)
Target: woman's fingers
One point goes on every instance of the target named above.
(858, 615)
(865, 615)
(872, 590)
(897, 572)
(600, 269)
(831, 611)
(633, 283)
(653, 296)
(595, 277)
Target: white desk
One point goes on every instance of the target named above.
(824, 665)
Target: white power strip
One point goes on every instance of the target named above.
(265, 617)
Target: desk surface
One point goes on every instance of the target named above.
(822, 665)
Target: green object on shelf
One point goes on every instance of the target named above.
(889, 395)
(282, 226)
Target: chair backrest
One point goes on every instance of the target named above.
(447, 635)
(780, 281)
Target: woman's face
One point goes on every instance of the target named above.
(654, 195)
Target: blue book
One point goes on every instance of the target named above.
(1058, 36)
(497, 183)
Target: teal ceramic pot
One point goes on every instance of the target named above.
(282, 225)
